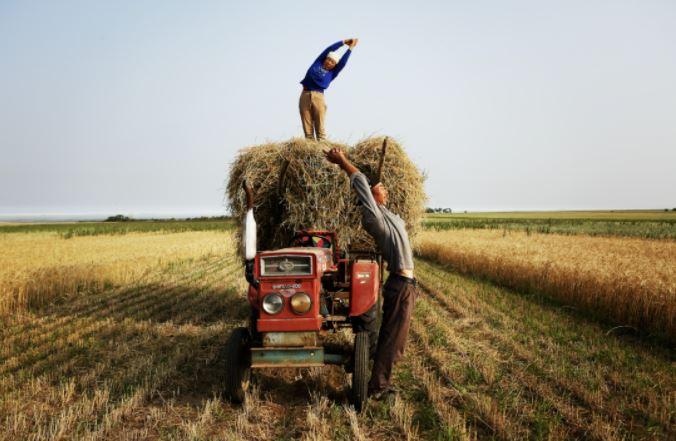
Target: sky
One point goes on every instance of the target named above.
(138, 107)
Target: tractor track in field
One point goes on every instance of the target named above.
(470, 336)
(144, 306)
(551, 368)
(486, 356)
(55, 361)
(93, 305)
(577, 410)
(479, 406)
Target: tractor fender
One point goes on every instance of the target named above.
(365, 279)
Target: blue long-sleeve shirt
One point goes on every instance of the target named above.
(317, 78)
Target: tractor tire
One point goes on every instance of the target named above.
(360, 375)
(237, 364)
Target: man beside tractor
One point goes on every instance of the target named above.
(399, 292)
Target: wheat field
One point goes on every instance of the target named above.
(630, 281)
(37, 268)
(140, 357)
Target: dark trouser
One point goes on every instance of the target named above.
(399, 294)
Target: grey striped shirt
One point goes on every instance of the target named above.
(386, 228)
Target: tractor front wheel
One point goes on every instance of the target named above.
(237, 364)
(360, 376)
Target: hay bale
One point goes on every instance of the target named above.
(317, 194)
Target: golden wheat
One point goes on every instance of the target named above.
(38, 268)
(631, 281)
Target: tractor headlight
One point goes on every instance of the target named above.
(301, 303)
(273, 303)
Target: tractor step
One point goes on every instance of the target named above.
(307, 356)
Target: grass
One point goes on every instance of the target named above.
(628, 281)
(643, 224)
(645, 215)
(68, 230)
(142, 359)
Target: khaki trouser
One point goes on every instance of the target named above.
(312, 111)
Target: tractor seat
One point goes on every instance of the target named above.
(312, 241)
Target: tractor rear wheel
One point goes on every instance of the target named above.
(360, 376)
(237, 364)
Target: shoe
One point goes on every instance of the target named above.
(382, 394)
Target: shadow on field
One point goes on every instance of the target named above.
(160, 341)
(162, 337)
(638, 336)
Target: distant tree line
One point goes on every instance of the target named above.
(123, 218)
(118, 218)
(438, 210)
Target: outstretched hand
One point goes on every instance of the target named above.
(352, 42)
(335, 155)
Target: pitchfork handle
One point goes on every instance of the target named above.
(380, 161)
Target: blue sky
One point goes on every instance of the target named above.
(139, 106)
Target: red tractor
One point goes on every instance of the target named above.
(298, 295)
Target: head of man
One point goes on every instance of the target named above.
(330, 61)
(379, 193)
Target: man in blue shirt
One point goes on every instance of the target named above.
(325, 69)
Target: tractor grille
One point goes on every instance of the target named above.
(292, 265)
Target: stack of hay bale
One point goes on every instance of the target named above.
(296, 188)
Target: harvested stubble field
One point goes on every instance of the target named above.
(141, 359)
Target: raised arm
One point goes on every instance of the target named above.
(335, 46)
(357, 179)
(351, 42)
(341, 64)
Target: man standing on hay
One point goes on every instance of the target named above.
(323, 70)
(399, 292)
